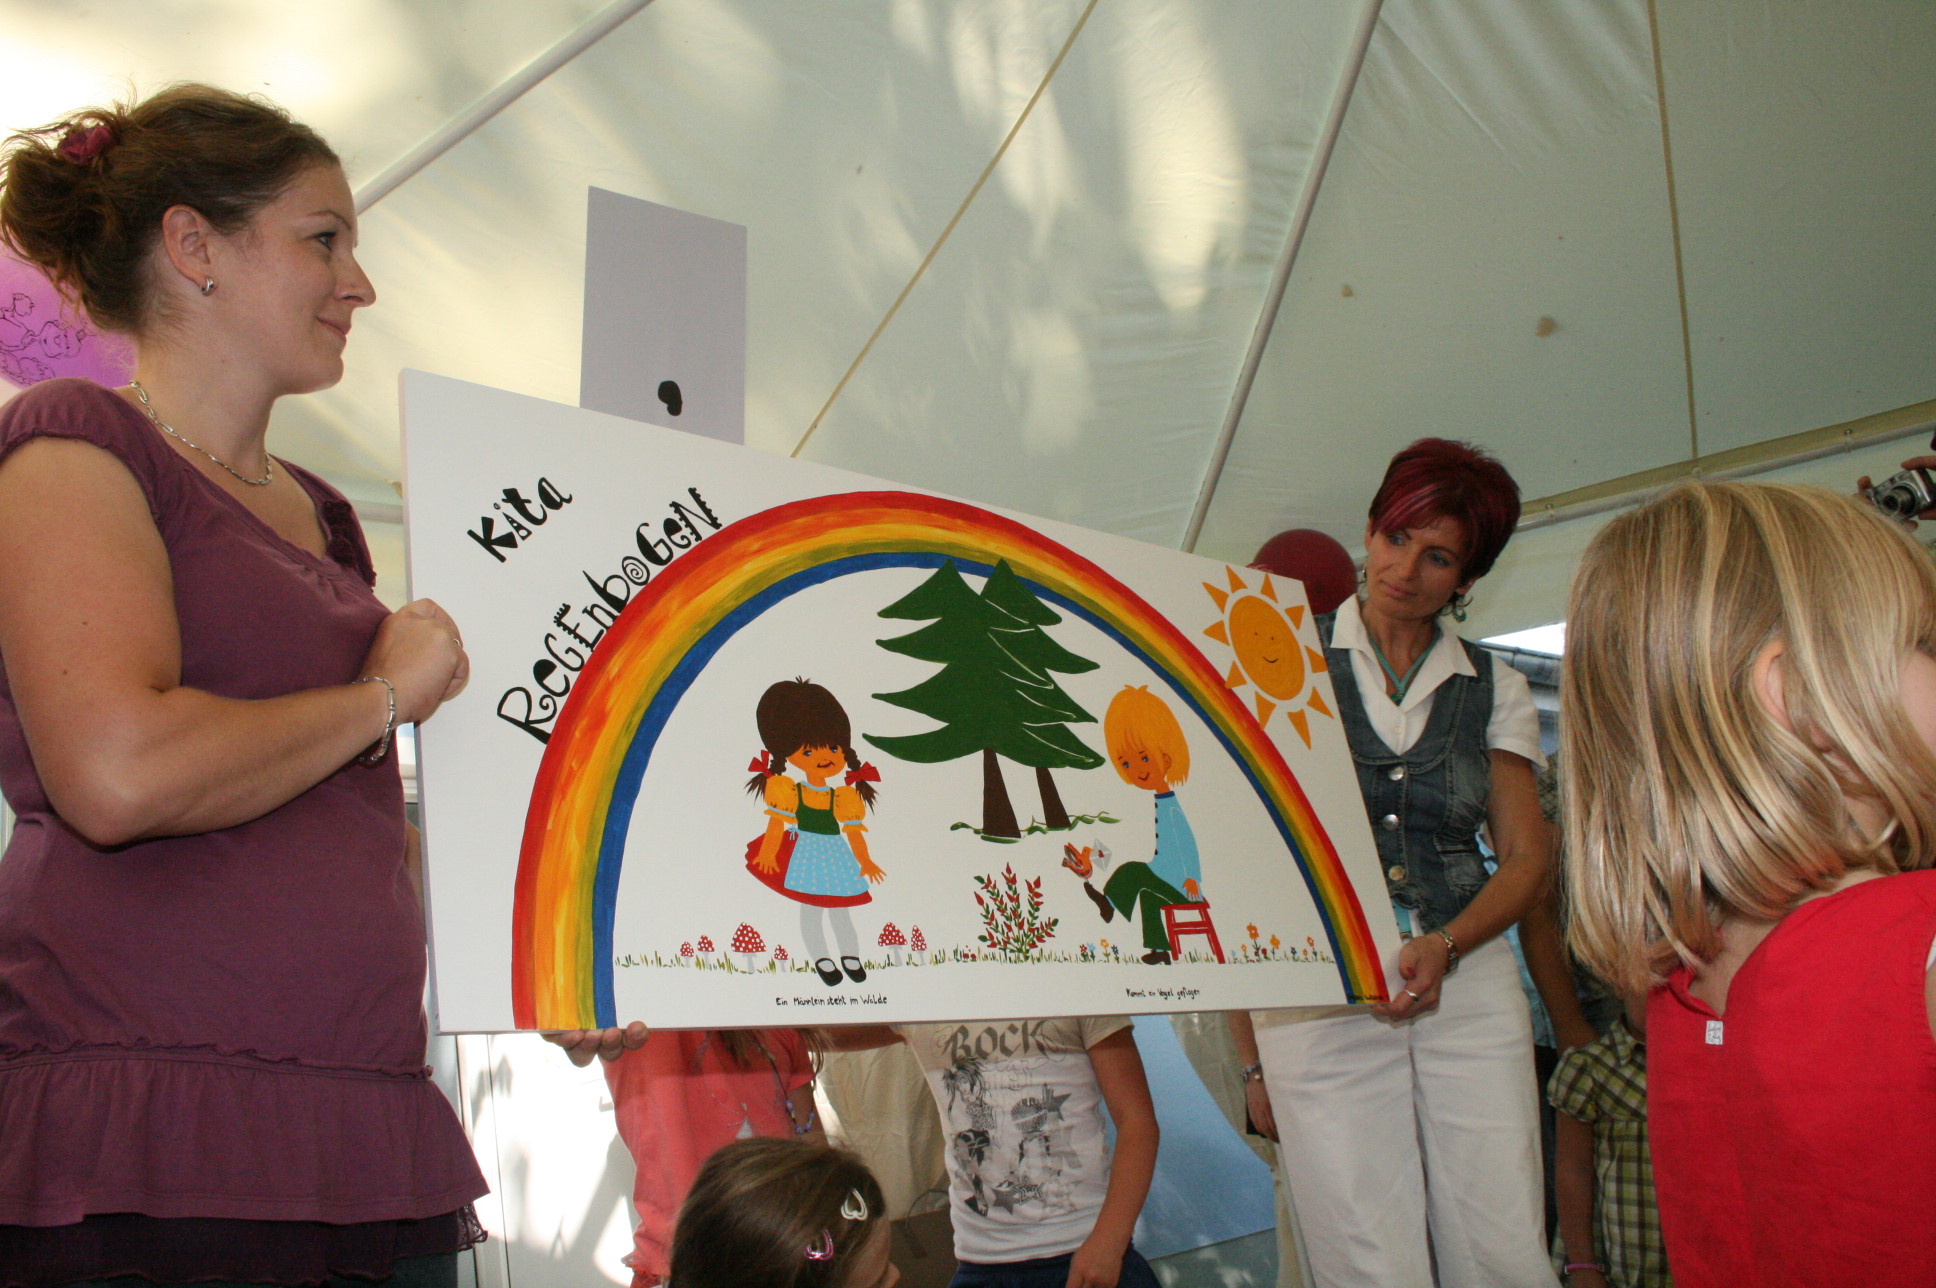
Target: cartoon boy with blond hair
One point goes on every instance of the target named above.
(1147, 748)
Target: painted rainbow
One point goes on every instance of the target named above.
(603, 739)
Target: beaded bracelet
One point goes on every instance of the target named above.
(389, 724)
(1451, 950)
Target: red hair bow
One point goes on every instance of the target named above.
(865, 774)
(82, 146)
(762, 764)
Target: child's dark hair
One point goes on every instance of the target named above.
(759, 1206)
(82, 198)
(799, 713)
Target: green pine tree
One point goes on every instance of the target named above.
(1031, 645)
(995, 693)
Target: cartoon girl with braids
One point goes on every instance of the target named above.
(814, 850)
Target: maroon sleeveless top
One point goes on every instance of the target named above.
(1794, 1138)
(226, 1025)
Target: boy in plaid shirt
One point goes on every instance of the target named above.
(1604, 1175)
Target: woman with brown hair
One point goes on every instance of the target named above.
(211, 943)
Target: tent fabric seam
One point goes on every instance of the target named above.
(974, 191)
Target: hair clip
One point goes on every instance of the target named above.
(854, 1207)
(762, 763)
(82, 146)
(865, 774)
(822, 1251)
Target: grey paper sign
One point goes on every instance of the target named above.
(665, 317)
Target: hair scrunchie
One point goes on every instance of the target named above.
(82, 146)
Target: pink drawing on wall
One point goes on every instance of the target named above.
(41, 336)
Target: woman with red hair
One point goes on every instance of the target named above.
(1415, 1127)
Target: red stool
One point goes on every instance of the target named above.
(1180, 919)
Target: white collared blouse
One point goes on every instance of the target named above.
(1514, 725)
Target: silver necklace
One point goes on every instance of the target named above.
(170, 430)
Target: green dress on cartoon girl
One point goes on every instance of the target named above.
(814, 849)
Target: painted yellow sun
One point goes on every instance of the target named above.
(1269, 654)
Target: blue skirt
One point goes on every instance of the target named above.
(824, 865)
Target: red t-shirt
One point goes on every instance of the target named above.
(680, 1097)
(1794, 1138)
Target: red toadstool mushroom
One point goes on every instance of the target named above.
(748, 944)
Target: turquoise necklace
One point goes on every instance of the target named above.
(1401, 683)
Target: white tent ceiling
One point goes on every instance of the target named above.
(1507, 246)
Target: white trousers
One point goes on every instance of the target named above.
(1393, 1130)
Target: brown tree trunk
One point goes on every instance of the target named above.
(997, 814)
(1053, 813)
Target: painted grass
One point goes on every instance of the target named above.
(1103, 953)
(1038, 828)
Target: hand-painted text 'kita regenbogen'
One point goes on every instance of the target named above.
(579, 628)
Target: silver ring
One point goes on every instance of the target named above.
(1409, 993)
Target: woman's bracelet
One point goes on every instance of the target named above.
(1571, 1266)
(1252, 1072)
(1451, 950)
(376, 756)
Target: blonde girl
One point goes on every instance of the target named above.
(1750, 706)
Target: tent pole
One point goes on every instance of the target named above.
(462, 126)
(1281, 278)
(1911, 421)
(948, 230)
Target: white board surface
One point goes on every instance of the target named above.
(532, 523)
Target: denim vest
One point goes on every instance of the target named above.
(1425, 806)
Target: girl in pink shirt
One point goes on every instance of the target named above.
(683, 1095)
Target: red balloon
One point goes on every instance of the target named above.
(1307, 555)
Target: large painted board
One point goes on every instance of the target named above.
(751, 741)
